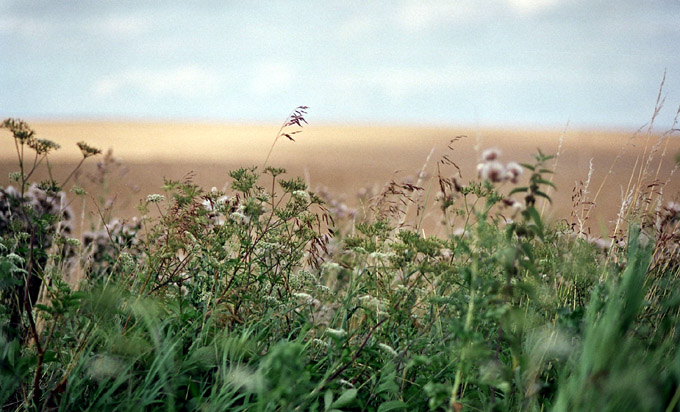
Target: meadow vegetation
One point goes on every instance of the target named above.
(267, 296)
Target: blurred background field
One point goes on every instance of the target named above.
(343, 160)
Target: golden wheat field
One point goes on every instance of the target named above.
(344, 159)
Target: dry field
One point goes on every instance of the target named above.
(344, 159)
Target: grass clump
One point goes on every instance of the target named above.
(261, 297)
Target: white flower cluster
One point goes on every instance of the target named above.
(305, 298)
(239, 217)
(15, 259)
(127, 262)
(155, 198)
(494, 171)
(381, 255)
(300, 196)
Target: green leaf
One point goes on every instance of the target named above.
(528, 166)
(328, 400)
(42, 307)
(546, 182)
(535, 216)
(345, 399)
(544, 195)
(388, 386)
(517, 190)
(527, 249)
(391, 406)
(50, 356)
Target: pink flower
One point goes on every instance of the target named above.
(490, 154)
(512, 171)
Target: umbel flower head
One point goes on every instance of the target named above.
(20, 129)
(42, 146)
(155, 198)
(88, 150)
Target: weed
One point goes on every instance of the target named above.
(268, 296)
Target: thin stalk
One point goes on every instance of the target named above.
(468, 324)
(278, 134)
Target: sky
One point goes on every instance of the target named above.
(520, 63)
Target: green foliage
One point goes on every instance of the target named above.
(254, 300)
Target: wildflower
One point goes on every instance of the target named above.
(381, 255)
(492, 171)
(207, 205)
(78, 191)
(306, 298)
(371, 302)
(239, 217)
(388, 349)
(306, 276)
(512, 171)
(514, 205)
(15, 259)
(300, 196)
(72, 242)
(88, 150)
(272, 300)
(295, 281)
(319, 342)
(155, 198)
(42, 146)
(401, 288)
(15, 176)
(264, 197)
(491, 154)
(127, 263)
(336, 333)
(20, 129)
(323, 289)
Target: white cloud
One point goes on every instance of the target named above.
(417, 15)
(272, 77)
(120, 25)
(358, 27)
(27, 26)
(532, 7)
(400, 84)
(185, 81)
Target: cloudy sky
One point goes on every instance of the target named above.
(489, 62)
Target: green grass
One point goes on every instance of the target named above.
(260, 298)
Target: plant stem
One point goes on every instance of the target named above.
(468, 324)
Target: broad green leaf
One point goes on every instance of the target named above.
(391, 406)
(345, 399)
(328, 399)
